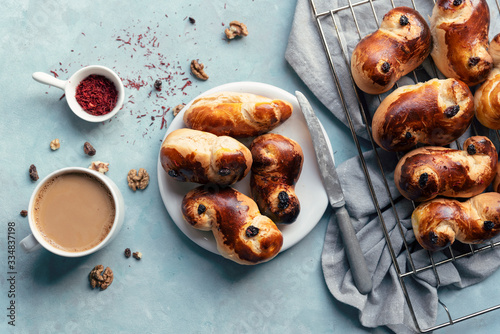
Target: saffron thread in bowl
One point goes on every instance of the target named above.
(97, 95)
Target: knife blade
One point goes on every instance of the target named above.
(354, 254)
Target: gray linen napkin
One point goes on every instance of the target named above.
(386, 304)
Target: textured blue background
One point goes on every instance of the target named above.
(177, 287)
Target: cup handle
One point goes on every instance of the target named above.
(30, 244)
(49, 80)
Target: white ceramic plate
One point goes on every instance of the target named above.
(309, 188)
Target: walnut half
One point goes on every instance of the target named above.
(198, 70)
(99, 278)
(178, 108)
(236, 29)
(55, 144)
(138, 179)
(99, 166)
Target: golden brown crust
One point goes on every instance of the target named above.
(427, 172)
(436, 112)
(196, 156)
(241, 232)
(496, 181)
(487, 97)
(402, 43)
(277, 163)
(460, 36)
(236, 114)
(438, 223)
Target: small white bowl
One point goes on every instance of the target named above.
(69, 87)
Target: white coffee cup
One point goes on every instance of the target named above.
(35, 240)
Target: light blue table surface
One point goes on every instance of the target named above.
(177, 287)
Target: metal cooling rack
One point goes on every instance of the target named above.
(453, 254)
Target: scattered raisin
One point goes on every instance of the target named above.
(224, 171)
(284, 200)
(137, 255)
(385, 67)
(251, 231)
(127, 252)
(157, 84)
(201, 209)
(88, 149)
(403, 20)
(408, 135)
(172, 173)
(471, 149)
(422, 181)
(23, 213)
(473, 61)
(452, 111)
(457, 2)
(488, 225)
(33, 173)
(191, 20)
(433, 237)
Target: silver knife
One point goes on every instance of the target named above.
(357, 261)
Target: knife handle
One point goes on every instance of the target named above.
(357, 261)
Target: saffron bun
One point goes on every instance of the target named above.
(435, 112)
(400, 45)
(487, 96)
(460, 39)
(428, 172)
(241, 232)
(201, 157)
(496, 181)
(277, 163)
(438, 223)
(236, 114)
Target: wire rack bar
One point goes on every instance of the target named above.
(330, 15)
(453, 258)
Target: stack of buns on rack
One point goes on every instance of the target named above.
(421, 120)
(209, 152)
